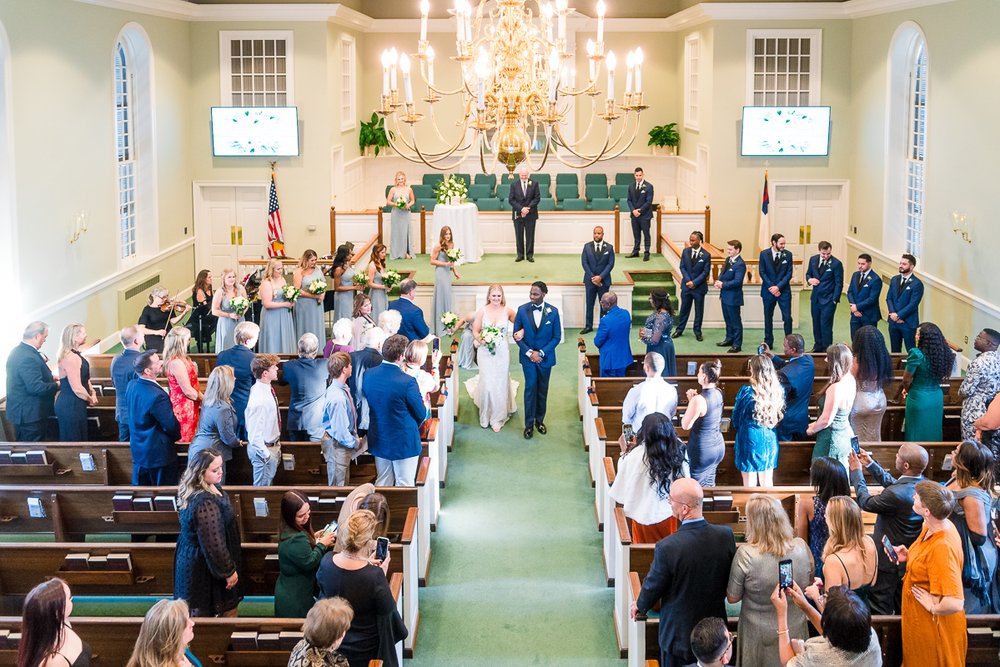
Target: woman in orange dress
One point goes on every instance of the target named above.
(182, 376)
(933, 615)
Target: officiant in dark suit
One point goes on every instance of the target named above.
(523, 200)
(598, 258)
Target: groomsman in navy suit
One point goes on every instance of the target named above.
(826, 275)
(730, 286)
(902, 302)
(537, 332)
(598, 258)
(640, 206)
(863, 295)
(696, 265)
(612, 337)
(775, 268)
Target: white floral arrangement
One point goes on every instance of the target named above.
(239, 305)
(291, 292)
(450, 188)
(360, 279)
(391, 279)
(450, 321)
(491, 336)
(401, 202)
(317, 286)
(455, 255)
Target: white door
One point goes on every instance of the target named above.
(807, 214)
(230, 225)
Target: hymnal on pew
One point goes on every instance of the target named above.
(99, 563)
(5, 456)
(76, 562)
(142, 504)
(165, 503)
(270, 641)
(120, 562)
(36, 456)
(287, 639)
(243, 641)
(19, 457)
(122, 502)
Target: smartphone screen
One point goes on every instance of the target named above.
(628, 432)
(889, 551)
(856, 445)
(381, 548)
(437, 344)
(761, 349)
(330, 528)
(785, 573)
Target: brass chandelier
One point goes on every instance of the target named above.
(515, 90)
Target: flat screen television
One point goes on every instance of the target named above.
(255, 131)
(778, 131)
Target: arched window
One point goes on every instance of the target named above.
(135, 161)
(9, 273)
(906, 165)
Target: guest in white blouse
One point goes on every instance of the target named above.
(654, 394)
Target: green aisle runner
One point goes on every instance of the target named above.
(516, 575)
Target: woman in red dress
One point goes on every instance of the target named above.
(182, 376)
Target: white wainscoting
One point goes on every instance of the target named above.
(687, 184)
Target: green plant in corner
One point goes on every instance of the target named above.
(664, 135)
(373, 133)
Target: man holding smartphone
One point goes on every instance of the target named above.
(896, 518)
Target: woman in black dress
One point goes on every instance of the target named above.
(47, 637)
(158, 316)
(202, 322)
(208, 555)
(75, 392)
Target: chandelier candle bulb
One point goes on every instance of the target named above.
(600, 21)
(385, 74)
(430, 66)
(638, 70)
(591, 61)
(425, 7)
(460, 35)
(468, 22)
(393, 59)
(404, 64)
(629, 68)
(547, 20)
(611, 74)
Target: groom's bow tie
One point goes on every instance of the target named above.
(534, 307)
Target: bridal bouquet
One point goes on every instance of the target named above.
(391, 279)
(291, 292)
(400, 202)
(491, 336)
(451, 190)
(360, 279)
(239, 305)
(450, 321)
(317, 286)
(455, 255)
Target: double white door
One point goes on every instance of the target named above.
(807, 214)
(230, 225)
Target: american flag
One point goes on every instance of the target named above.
(275, 234)
(764, 231)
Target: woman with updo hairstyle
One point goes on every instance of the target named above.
(325, 628)
(47, 637)
(414, 358)
(164, 636)
(300, 550)
(706, 447)
(277, 328)
(971, 484)
(872, 371)
(354, 575)
(928, 365)
(308, 310)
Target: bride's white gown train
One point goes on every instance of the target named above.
(493, 391)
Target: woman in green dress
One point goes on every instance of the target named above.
(928, 365)
(300, 551)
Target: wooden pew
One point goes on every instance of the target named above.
(732, 364)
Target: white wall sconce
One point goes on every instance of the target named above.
(79, 227)
(960, 225)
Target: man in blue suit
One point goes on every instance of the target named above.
(902, 303)
(612, 337)
(153, 428)
(239, 357)
(523, 199)
(397, 411)
(696, 266)
(122, 373)
(640, 205)
(796, 372)
(863, 295)
(775, 268)
(730, 286)
(412, 325)
(537, 332)
(826, 275)
(31, 389)
(598, 258)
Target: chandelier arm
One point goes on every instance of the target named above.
(545, 157)
(413, 148)
(588, 159)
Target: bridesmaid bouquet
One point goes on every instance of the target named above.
(491, 336)
(317, 286)
(400, 202)
(239, 305)
(360, 279)
(391, 279)
(450, 321)
(291, 292)
(455, 255)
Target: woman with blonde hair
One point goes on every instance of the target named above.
(362, 322)
(222, 308)
(208, 556)
(414, 359)
(443, 270)
(182, 377)
(493, 390)
(376, 288)
(277, 331)
(164, 636)
(759, 407)
(75, 391)
(833, 429)
(754, 574)
(218, 424)
(401, 199)
(308, 310)
(849, 557)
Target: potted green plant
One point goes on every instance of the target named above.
(665, 136)
(372, 135)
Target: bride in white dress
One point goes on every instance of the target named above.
(493, 391)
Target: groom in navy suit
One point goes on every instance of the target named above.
(537, 334)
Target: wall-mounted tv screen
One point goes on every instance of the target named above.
(776, 131)
(255, 131)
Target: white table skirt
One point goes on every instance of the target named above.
(464, 222)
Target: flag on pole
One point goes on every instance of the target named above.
(764, 233)
(275, 234)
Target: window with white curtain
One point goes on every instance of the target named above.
(784, 67)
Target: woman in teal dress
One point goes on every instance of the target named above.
(277, 330)
(759, 407)
(309, 307)
(443, 270)
(833, 429)
(343, 286)
(376, 288)
(300, 551)
(927, 366)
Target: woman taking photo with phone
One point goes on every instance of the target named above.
(300, 550)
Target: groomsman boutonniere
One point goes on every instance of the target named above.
(547, 311)
(529, 181)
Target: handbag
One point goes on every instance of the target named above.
(974, 563)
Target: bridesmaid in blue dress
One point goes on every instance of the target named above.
(655, 332)
(399, 219)
(376, 290)
(443, 270)
(309, 307)
(759, 407)
(75, 392)
(222, 308)
(277, 330)
(343, 285)
(466, 344)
